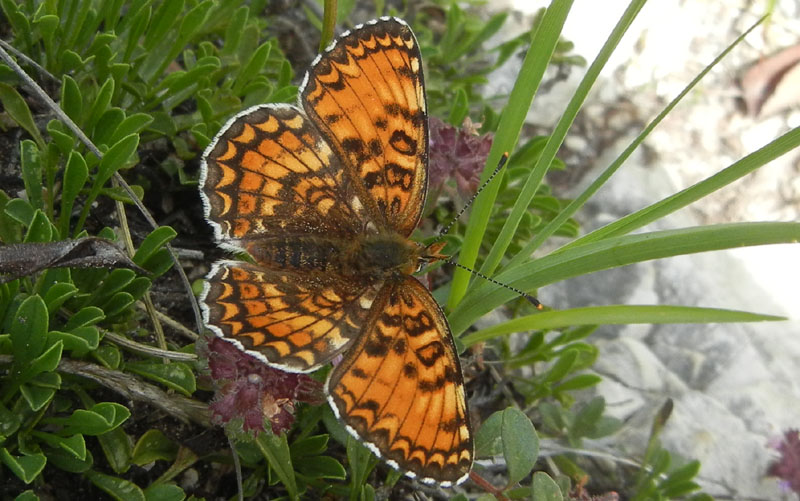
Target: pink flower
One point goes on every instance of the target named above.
(788, 467)
(250, 390)
(457, 153)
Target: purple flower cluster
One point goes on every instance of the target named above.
(250, 390)
(787, 468)
(457, 153)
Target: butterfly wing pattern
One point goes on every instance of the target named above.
(324, 196)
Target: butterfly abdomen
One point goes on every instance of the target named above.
(302, 253)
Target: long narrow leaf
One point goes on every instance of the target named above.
(614, 252)
(533, 68)
(276, 450)
(543, 234)
(615, 315)
(556, 139)
(737, 170)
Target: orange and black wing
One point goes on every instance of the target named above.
(285, 319)
(399, 388)
(365, 93)
(270, 172)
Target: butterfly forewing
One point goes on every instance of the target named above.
(366, 93)
(269, 172)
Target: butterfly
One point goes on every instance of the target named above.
(324, 196)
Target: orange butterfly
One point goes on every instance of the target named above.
(324, 196)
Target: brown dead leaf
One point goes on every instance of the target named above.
(18, 260)
(771, 85)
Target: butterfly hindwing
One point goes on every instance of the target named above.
(286, 319)
(399, 387)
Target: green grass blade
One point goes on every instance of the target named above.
(533, 68)
(614, 252)
(735, 171)
(543, 234)
(556, 139)
(615, 315)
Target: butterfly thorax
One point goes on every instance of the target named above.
(372, 257)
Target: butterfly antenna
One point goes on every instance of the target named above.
(535, 302)
(500, 165)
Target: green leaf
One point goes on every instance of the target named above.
(117, 157)
(132, 125)
(18, 21)
(234, 30)
(309, 446)
(40, 230)
(73, 444)
(460, 108)
(116, 445)
(578, 382)
(106, 125)
(101, 103)
(614, 252)
(586, 419)
(71, 99)
(79, 341)
(159, 263)
(101, 418)
(9, 421)
(175, 375)
(253, 67)
(29, 331)
(562, 367)
(28, 495)
(117, 304)
(117, 488)
(18, 110)
(47, 361)
(361, 461)
(57, 295)
(545, 488)
(20, 210)
(533, 182)
(276, 451)
(36, 397)
(10, 230)
(322, 467)
(69, 462)
(488, 441)
(615, 315)
(108, 355)
(31, 161)
(27, 467)
(63, 141)
(72, 61)
(153, 445)
(88, 315)
(519, 102)
(164, 492)
(165, 19)
(152, 243)
(520, 444)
